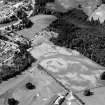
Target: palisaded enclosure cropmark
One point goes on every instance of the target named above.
(85, 37)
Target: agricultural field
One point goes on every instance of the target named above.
(40, 22)
(52, 57)
(39, 94)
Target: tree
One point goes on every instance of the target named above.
(22, 15)
(5, 1)
(103, 1)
